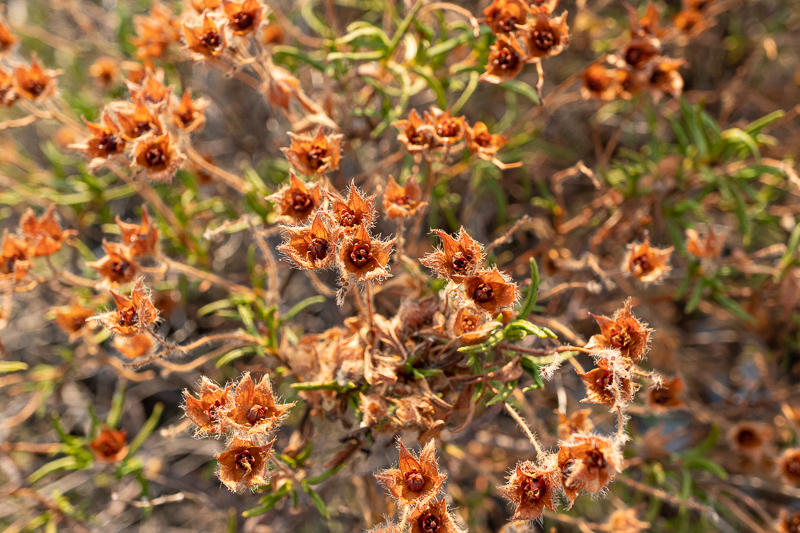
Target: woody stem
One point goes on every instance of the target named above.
(524, 425)
(231, 180)
(401, 223)
(370, 311)
(426, 197)
(404, 520)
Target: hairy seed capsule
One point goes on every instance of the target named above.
(460, 262)
(256, 413)
(360, 255)
(245, 461)
(155, 157)
(318, 248)
(534, 489)
(595, 459)
(301, 202)
(414, 481)
(429, 523)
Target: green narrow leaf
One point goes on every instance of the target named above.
(148, 427)
(520, 87)
(321, 507)
(7, 367)
(533, 291)
(294, 311)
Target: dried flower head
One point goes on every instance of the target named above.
(189, 115)
(470, 325)
(109, 446)
(158, 156)
(665, 78)
(134, 347)
(750, 439)
(599, 83)
(106, 142)
(645, 25)
(7, 94)
(204, 41)
(640, 51)
(416, 481)
(587, 462)
(15, 258)
(310, 247)
(118, 266)
(314, 155)
(365, 257)
(254, 410)
(484, 143)
(543, 6)
(789, 466)
(155, 31)
(625, 521)
(532, 487)
(707, 246)
(491, 290)
(503, 16)
(457, 258)
(243, 17)
(7, 39)
(142, 238)
(43, 234)
(691, 22)
(34, 82)
(506, 60)
(354, 212)
(137, 120)
(207, 411)
(788, 524)
(446, 130)
(667, 396)
(105, 71)
(402, 202)
(373, 409)
(134, 315)
(433, 518)
(244, 464)
(412, 133)
(623, 332)
(603, 387)
(577, 422)
(151, 89)
(546, 36)
(647, 264)
(296, 201)
(74, 319)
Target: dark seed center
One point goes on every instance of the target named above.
(245, 461)
(506, 59)
(301, 202)
(605, 380)
(318, 248)
(429, 523)
(360, 255)
(483, 293)
(448, 128)
(141, 128)
(256, 413)
(414, 481)
(243, 20)
(662, 396)
(533, 489)
(317, 157)
(595, 459)
(211, 39)
(543, 39)
(347, 218)
(121, 269)
(460, 262)
(155, 157)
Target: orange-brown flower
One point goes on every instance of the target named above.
(134, 347)
(364, 257)
(532, 487)
(789, 466)
(44, 235)
(623, 332)
(577, 422)
(33, 82)
(665, 77)
(402, 202)
(433, 518)
(151, 89)
(600, 386)
(207, 411)
(109, 446)
(296, 202)
(141, 239)
(205, 41)
(415, 481)
(471, 326)
(202, 5)
(667, 396)
(543, 6)
(244, 464)
(625, 521)
(484, 143)
(272, 34)
(491, 290)
(750, 439)
(630, 82)
(546, 36)
(310, 247)
(457, 258)
(446, 130)
(503, 16)
(14, 258)
(137, 120)
(282, 87)
(412, 133)
(691, 22)
(709, 246)
(243, 17)
(155, 31)
(105, 72)
(254, 410)
(356, 211)
(118, 266)
(640, 51)
(7, 39)
(74, 319)
(506, 60)
(314, 155)
(587, 462)
(599, 82)
(106, 142)
(788, 524)
(158, 156)
(645, 25)
(190, 114)
(647, 264)
(7, 94)
(134, 315)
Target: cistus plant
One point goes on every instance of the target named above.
(399, 267)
